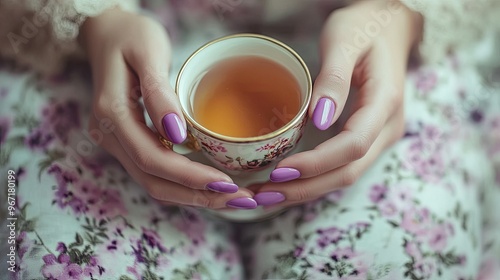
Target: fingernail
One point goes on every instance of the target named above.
(323, 113)
(242, 203)
(174, 128)
(222, 187)
(269, 198)
(284, 174)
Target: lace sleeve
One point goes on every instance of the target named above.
(450, 24)
(41, 34)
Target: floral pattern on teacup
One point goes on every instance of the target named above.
(274, 151)
(229, 155)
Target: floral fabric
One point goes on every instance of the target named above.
(427, 209)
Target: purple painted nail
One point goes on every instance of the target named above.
(323, 113)
(222, 187)
(242, 203)
(284, 174)
(174, 128)
(269, 198)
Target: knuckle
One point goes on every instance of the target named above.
(142, 159)
(336, 77)
(186, 179)
(359, 147)
(349, 176)
(302, 193)
(201, 199)
(101, 108)
(151, 88)
(317, 168)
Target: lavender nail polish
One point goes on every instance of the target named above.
(222, 187)
(323, 113)
(242, 203)
(174, 128)
(269, 198)
(284, 174)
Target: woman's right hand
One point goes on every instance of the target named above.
(129, 56)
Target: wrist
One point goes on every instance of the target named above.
(416, 25)
(95, 27)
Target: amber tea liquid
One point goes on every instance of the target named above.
(246, 96)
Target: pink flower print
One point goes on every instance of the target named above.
(327, 236)
(192, 225)
(64, 196)
(94, 165)
(108, 203)
(23, 244)
(340, 254)
(490, 269)
(335, 196)
(213, 146)
(229, 257)
(434, 169)
(426, 160)
(433, 134)
(297, 253)
(68, 270)
(60, 268)
(424, 268)
(133, 270)
(417, 146)
(412, 249)
(138, 252)
(438, 237)
(309, 210)
(356, 267)
(61, 118)
(402, 197)
(321, 267)
(92, 268)
(61, 247)
(153, 239)
(426, 80)
(57, 120)
(387, 208)
(84, 197)
(493, 138)
(39, 139)
(416, 221)
(378, 193)
(62, 176)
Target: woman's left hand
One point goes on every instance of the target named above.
(365, 45)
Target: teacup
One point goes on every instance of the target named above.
(243, 153)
